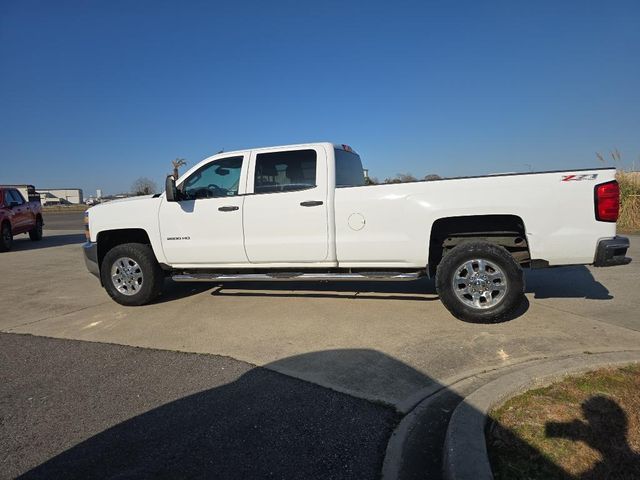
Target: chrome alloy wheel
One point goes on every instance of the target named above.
(126, 276)
(479, 283)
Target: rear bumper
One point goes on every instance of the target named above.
(612, 252)
(90, 250)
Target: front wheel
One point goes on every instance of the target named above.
(480, 282)
(131, 275)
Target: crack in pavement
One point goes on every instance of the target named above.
(51, 317)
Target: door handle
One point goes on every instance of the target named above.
(229, 208)
(311, 203)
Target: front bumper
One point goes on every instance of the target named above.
(90, 250)
(611, 252)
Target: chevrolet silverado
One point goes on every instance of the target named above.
(303, 212)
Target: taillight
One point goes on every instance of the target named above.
(607, 198)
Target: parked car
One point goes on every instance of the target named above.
(303, 212)
(18, 216)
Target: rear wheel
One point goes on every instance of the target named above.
(6, 237)
(480, 282)
(35, 234)
(131, 275)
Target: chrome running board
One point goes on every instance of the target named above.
(296, 276)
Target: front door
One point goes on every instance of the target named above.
(285, 209)
(205, 225)
(20, 213)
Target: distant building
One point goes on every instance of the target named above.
(60, 196)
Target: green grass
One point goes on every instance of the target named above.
(63, 208)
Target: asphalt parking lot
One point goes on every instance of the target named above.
(384, 345)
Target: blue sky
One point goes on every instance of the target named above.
(96, 94)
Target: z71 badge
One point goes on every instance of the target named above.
(577, 178)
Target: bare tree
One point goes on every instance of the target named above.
(401, 178)
(143, 186)
(371, 180)
(177, 163)
(432, 176)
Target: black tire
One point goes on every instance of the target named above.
(6, 237)
(147, 270)
(35, 234)
(506, 298)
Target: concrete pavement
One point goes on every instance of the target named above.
(570, 310)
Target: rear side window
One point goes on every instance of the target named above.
(285, 171)
(349, 171)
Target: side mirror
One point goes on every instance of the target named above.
(170, 189)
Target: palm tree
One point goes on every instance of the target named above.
(177, 163)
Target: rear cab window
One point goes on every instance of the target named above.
(349, 171)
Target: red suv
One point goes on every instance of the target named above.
(18, 216)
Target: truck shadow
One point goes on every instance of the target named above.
(178, 290)
(561, 282)
(22, 243)
(264, 424)
(347, 291)
(565, 282)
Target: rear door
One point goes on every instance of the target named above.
(285, 209)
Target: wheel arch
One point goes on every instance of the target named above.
(508, 231)
(107, 239)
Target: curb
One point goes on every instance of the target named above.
(421, 430)
(465, 450)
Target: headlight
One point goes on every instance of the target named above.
(87, 233)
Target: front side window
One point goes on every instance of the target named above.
(285, 171)
(220, 178)
(14, 196)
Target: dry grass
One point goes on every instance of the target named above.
(64, 208)
(582, 427)
(629, 219)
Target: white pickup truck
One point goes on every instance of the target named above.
(303, 212)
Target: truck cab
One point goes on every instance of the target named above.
(262, 207)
